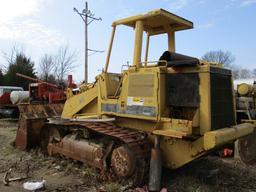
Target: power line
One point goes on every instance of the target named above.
(96, 51)
(88, 17)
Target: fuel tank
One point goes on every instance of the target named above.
(19, 96)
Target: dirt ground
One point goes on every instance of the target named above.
(207, 174)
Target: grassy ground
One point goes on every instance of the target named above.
(207, 174)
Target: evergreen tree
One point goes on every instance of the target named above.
(23, 65)
(1, 78)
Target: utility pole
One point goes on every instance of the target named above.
(88, 17)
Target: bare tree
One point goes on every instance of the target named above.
(221, 57)
(64, 62)
(2, 80)
(245, 73)
(236, 72)
(242, 73)
(2, 66)
(46, 67)
(11, 56)
(254, 73)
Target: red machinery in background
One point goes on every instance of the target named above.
(44, 92)
(46, 101)
(7, 108)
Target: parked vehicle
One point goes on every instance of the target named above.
(7, 109)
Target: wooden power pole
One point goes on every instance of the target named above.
(88, 17)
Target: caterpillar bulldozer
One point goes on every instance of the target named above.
(155, 114)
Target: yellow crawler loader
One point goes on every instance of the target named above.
(163, 113)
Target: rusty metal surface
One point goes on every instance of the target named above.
(31, 121)
(123, 162)
(28, 133)
(80, 150)
(131, 158)
(40, 110)
(36, 80)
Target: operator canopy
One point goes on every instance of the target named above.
(157, 22)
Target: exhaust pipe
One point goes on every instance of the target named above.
(155, 171)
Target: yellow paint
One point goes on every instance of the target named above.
(219, 137)
(110, 49)
(138, 43)
(147, 49)
(137, 96)
(205, 98)
(76, 103)
(171, 41)
(156, 21)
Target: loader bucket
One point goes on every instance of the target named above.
(32, 120)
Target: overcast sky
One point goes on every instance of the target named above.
(42, 26)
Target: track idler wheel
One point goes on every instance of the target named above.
(131, 162)
(123, 162)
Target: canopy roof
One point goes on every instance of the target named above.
(157, 22)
